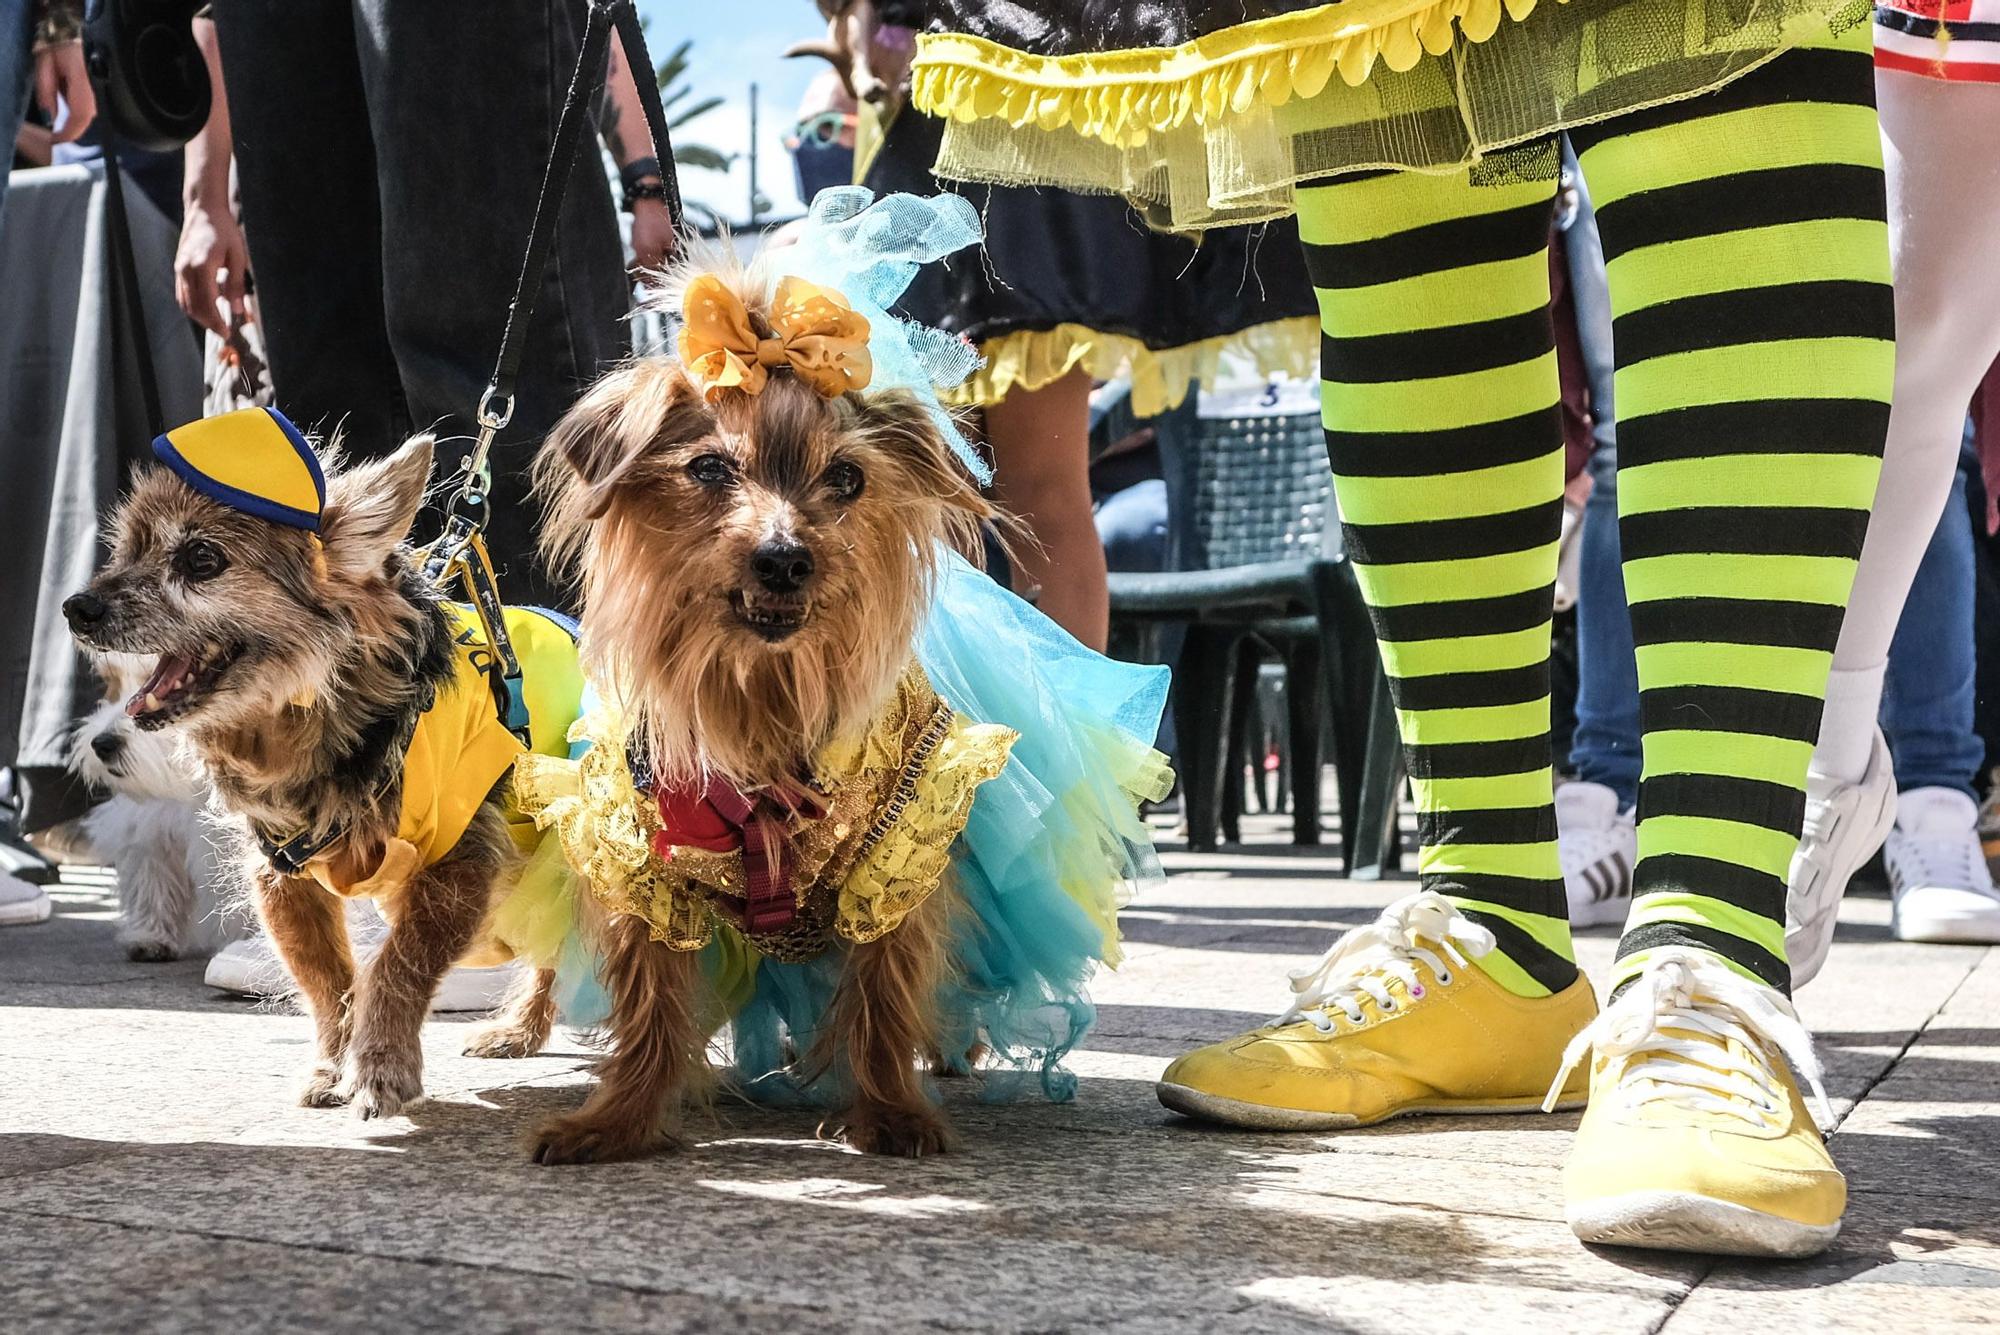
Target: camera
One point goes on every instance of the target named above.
(152, 83)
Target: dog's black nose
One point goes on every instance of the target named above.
(83, 610)
(781, 567)
(108, 746)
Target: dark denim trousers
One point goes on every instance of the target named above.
(17, 72)
(1928, 697)
(388, 157)
(1606, 748)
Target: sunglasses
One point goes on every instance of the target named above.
(823, 129)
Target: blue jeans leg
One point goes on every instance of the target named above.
(1606, 749)
(1927, 697)
(1606, 746)
(1132, 525)
(17, 64)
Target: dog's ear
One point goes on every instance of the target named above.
(905, 427)
(626, 415)
(371, 506)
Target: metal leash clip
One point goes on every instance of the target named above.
(459, 556)
(473, 495)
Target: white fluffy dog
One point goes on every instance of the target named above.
(176, 896)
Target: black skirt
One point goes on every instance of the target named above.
(1073, 27)
(1086, 274)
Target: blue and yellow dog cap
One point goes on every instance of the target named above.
(253, 460)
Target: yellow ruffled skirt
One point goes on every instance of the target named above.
(1162, 309)
(1219, 130)
(1162, 378)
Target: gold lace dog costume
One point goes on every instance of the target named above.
(1007, 756)
(869, 843)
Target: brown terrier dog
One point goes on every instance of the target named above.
(754, 572)
(297, 665)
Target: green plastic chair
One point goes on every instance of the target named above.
(1254, 542)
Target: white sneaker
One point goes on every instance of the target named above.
(1598, 845)
(21, 902)
(251, 968)
(1845, 824)
(1937, 870)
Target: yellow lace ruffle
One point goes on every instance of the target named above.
(911, 858)
(1124, 97)
(901, 796)
(1031, 359)
(606, 826)
(1221, 131)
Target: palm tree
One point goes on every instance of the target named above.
(674, 92)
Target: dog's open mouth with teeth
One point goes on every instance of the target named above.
(769, 617)
(179, 683)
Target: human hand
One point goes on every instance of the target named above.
(653, 239)
(59, 72)
(212, 265)
(33, 145)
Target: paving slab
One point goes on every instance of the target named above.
(67, 1275)
(1903, 1262)
(157, 1176)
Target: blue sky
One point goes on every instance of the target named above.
(726, 59)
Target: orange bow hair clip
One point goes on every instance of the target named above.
(814, 331)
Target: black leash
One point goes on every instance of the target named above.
(496, 405)
(460, 552)
(632, 36)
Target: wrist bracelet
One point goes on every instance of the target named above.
(638, 170)
(636, 191)
(60, 24)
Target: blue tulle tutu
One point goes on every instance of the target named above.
(1055, 845)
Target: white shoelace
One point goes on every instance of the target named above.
(1688, 990)
(1363, 962)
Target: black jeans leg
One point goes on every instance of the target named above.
(389, 157)
(306, 169)
(464, 96)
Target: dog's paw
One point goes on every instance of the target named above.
(592, 1138)
(321, 1088)
(382, 1085)
(903, 1132)
(151, 952)
(506, 1040)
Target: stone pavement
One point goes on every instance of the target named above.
(154, 1176)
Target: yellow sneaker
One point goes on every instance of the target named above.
(1394, 1020)
(1696, 1138)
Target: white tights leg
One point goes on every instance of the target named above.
(1942, 156)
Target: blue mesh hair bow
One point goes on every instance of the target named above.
(870, 249)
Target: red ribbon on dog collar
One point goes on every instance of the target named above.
(722, 819)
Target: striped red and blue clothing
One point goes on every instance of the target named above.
(1941, 39)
